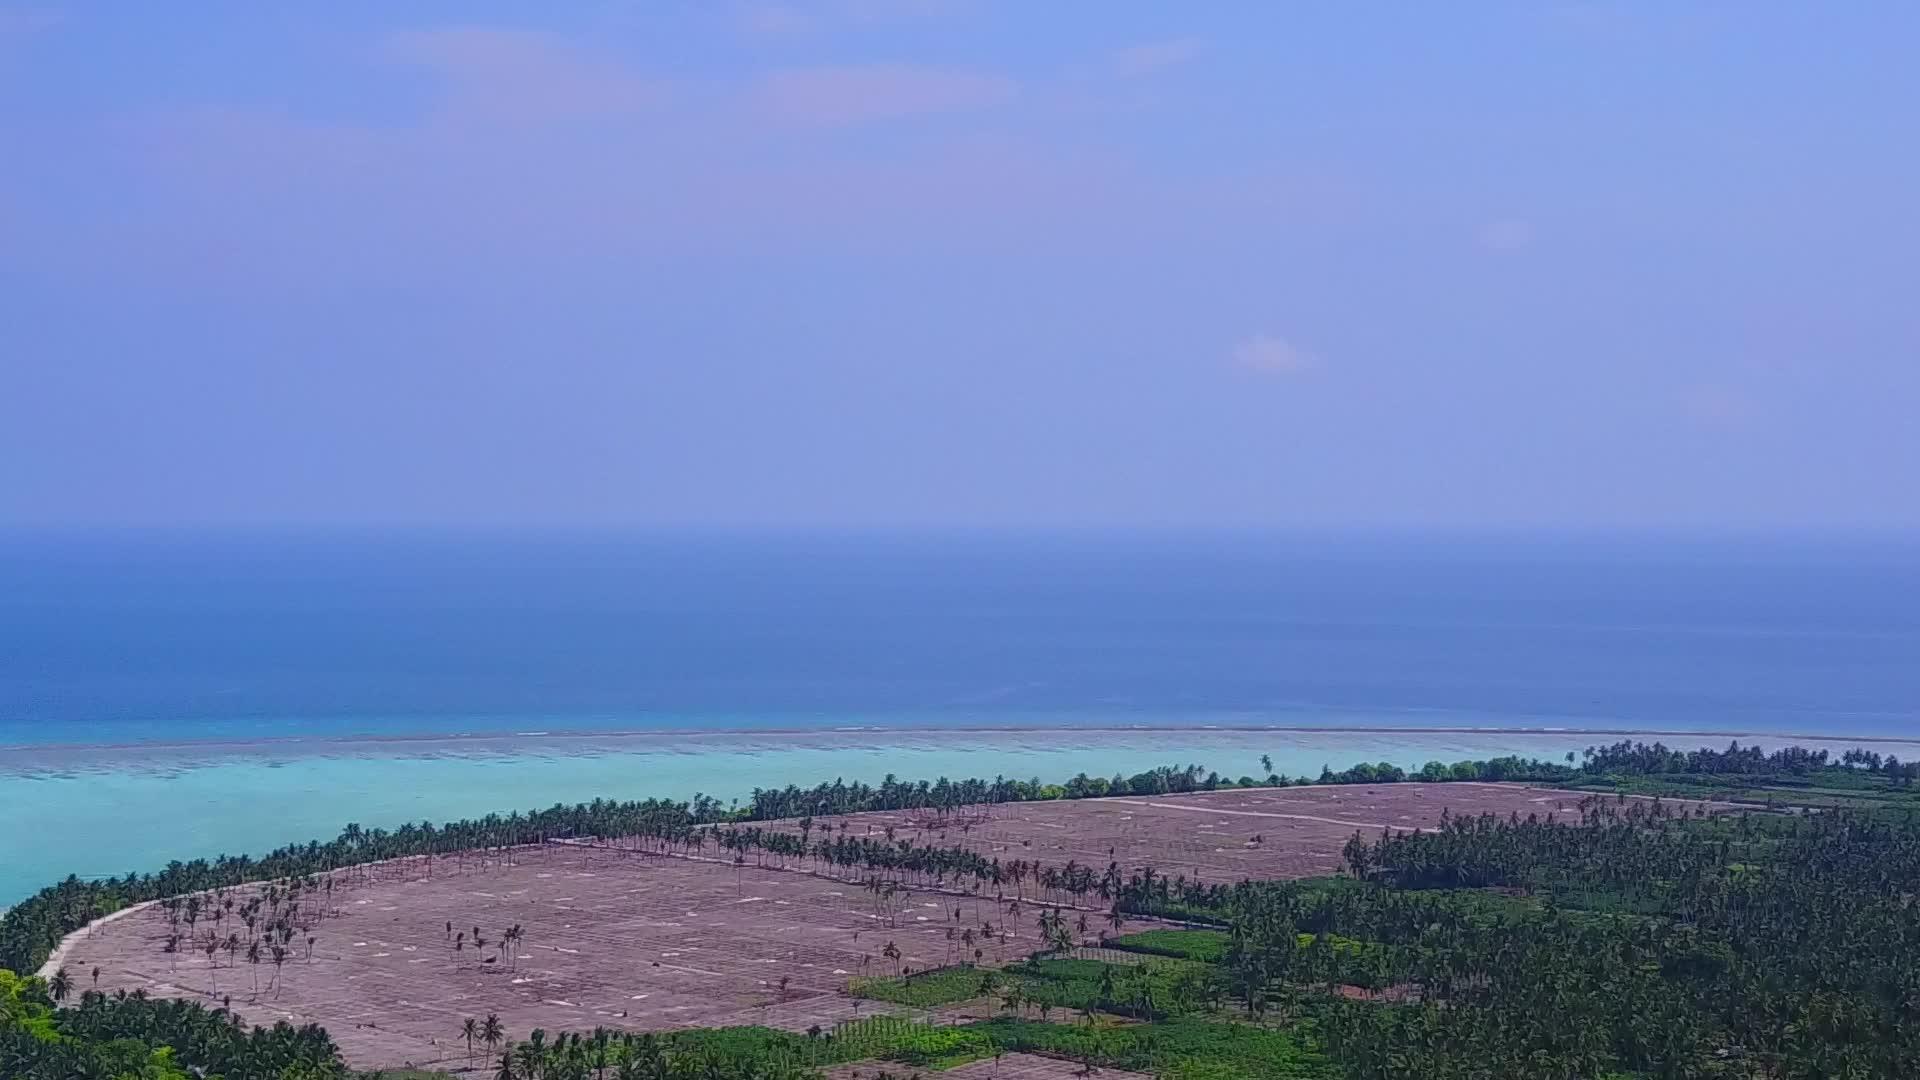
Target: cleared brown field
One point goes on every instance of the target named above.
(616, 939)
(647, 941)
(1215, 836)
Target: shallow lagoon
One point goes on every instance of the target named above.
(99, 811)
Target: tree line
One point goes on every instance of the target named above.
(1628, 758)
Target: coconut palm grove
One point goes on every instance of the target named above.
(1707, 914)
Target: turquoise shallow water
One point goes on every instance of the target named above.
(172, 695)
(108, 810)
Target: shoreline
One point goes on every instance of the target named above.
(60, 951)
(848, 731)
(67, 941)
(140, 806)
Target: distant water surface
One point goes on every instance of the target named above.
(151, 687)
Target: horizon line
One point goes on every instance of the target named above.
(974, 729)
(1574, 532)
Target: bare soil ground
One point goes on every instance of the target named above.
(616, 939)
(1214, 836)
(646, 941)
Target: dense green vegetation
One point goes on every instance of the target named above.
(1206, 946)
(1775, 947)
(1185, 1049)
(1631, 940)
(133, 1037)
(1046, 984)
(925, 989)
(1791, 776)
(1629, 758)
(1153, 990)
(748, 1053)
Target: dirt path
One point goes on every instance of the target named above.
(59, 954)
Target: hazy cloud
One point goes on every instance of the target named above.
(775, 19)
(23, 21)
(781, 18)
(1721, 407)
(1268, 355)
(524, 72)
(1507, 234)
(591, 230)
(1152, 56)
(894, 10)
(846, 95)
(1589, 19)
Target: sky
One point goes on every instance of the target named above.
(960, 264)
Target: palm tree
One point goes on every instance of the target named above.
(60, 985)
(491, 1032)
(600, 1052)
(513, 934)
(1143, 1001)
(1012, 997)
(470, 1030)
(536, 1042)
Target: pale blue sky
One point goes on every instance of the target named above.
(955, 263)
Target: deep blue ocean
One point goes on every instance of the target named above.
(167, 637)
(182, 696)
